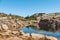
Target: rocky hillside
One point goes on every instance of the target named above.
(11, 16)
(48, 22)
(11, 22)
(40, 20)
(37, 16)
(10, 29)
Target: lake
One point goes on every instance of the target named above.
(32, 30)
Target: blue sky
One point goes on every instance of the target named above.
(29, 7)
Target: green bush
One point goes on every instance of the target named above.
(30, 17)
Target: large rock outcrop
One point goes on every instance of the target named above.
(49, 25)
(12, 24)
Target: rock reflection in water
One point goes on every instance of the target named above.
(32, 30)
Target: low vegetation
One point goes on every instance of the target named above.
(30, 17)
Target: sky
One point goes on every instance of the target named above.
(29, 7)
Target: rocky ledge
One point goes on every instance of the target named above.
(15, 35)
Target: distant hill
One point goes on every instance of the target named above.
(10, 16)
(35, 16)
(32, 20)
(43, 15)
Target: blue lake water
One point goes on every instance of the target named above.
(32, 30)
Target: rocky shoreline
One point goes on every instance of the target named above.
(15, 35)
(10, 30)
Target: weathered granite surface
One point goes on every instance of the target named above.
(15, 35)
(9, 30)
